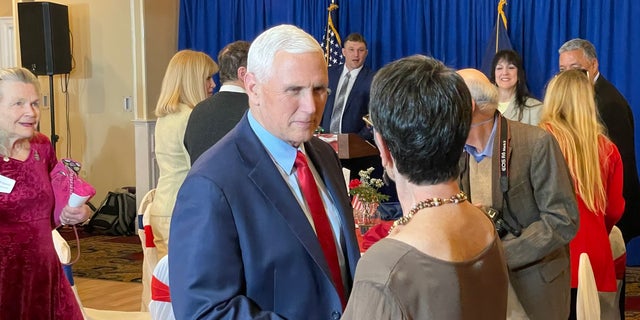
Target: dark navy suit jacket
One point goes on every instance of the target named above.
(617, 117)
(241, 246)
(357, 104)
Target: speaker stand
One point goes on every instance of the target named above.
(54, 136)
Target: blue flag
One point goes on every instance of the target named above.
(499, 40)
(331, 43)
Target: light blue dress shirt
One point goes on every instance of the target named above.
(488, 149)
(284, 156)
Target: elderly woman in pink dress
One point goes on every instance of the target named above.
(32, 283)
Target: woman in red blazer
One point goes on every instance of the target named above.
(570, 115)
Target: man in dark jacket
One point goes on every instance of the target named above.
(212, 118)
(617, 118)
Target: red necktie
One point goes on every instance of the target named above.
(320, 220)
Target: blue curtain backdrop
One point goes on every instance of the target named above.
(455, 32)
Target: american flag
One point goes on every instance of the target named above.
(356, 203)
(331, 43)
(357, 206)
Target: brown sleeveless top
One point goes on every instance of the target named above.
(396, 281)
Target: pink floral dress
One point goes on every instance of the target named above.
(32, 282)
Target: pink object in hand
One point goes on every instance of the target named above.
(65, 181)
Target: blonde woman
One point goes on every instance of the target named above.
(186, 82)
(570, 115)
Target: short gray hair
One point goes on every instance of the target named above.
(18, 75)
(580, 44)
(483, 93)
(284, 37)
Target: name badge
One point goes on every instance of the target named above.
(6, 184)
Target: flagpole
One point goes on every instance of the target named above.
(501, 14)
(330, 27)
(497, 31)
(498, 40)
(331, 42)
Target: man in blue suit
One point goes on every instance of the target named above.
(349, 84)
(349, 102)
(247, 237)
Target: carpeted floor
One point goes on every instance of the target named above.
(106, 257)
(120, 258)
(632, 302)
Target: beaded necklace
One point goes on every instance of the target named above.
(428, 203)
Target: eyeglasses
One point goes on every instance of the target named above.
(367, 120)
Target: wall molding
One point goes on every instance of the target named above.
(7, 43)
(147, 172)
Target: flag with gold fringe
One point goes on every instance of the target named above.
(331, 43)
(499, 39)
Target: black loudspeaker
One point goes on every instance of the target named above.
(44, 37)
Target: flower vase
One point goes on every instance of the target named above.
(366, 215)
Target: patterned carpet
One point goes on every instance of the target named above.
(106, 257)
(632, 304)
(120, 258)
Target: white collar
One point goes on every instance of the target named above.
(231, 88)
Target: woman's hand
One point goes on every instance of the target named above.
(75, 215)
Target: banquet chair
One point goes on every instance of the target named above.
(588, 301)
(610, 302)
(160, 307)
(149, 250)
(64, 254)
(607, 302)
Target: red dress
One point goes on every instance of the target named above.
(32, 283)
(593, 232)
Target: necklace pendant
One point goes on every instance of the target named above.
(5, 159)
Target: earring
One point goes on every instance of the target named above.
(386, 178)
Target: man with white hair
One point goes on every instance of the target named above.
(263, 226)
(506, 170)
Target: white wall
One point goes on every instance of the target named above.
(111, 63)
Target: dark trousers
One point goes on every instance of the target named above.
(574, 298)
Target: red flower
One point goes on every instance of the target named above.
(354, 183)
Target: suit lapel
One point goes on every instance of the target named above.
(276, 193)
(363, 74)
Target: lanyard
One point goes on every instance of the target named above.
(504, 178)
(504, 155)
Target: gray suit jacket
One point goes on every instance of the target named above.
(542, 200)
